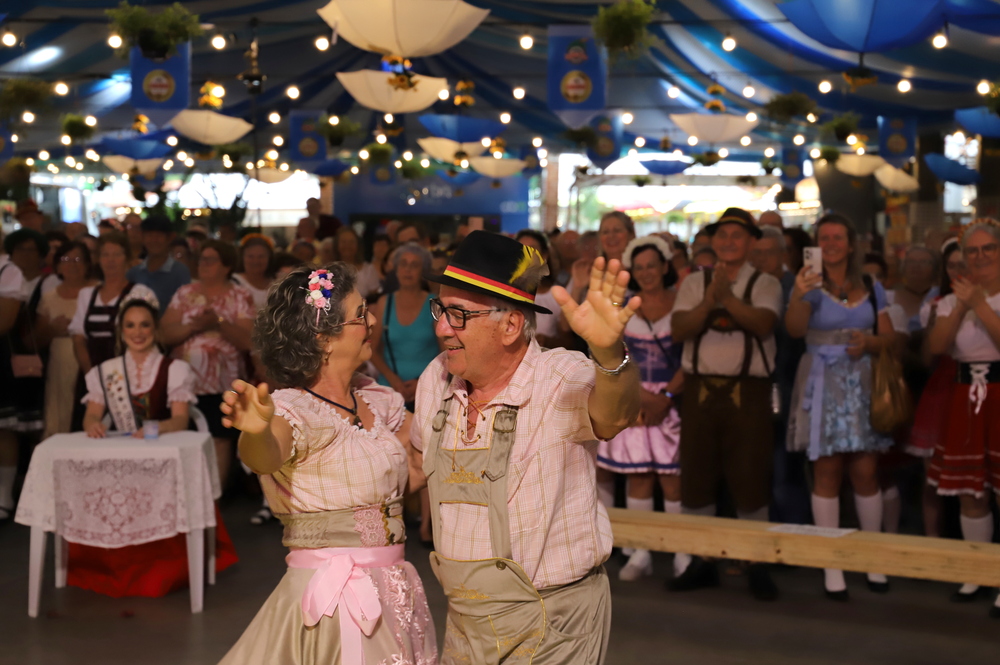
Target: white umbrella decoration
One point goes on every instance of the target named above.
(896, 180)
(444, 150)
(209, 127)
(407, 28)
(374, 89)
(807, 190)
(122, 164)
(497, 168)
(269, 174)
(715, 127)
(859, 166)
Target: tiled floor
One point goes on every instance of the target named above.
(913, 625)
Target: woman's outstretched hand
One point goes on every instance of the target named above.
(247, 408)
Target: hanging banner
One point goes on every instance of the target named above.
(161, 84)
(577, 74)
(382, 174)
(792, 159)
(608, 148)
(305, 143)
(897, 139)
(6, 145)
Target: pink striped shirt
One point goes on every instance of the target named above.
(559, 531)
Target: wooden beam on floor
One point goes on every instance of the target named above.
(860, 551)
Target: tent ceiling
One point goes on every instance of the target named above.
(65, 40)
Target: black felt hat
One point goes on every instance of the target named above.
(157, 223)
(735, 216)
(497, 266)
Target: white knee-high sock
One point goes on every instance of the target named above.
(681, 560)
(637, 504)
(892, 508)
(826, 513)
(977, 530)
(7, 476)
(606, 493)
(870, 513)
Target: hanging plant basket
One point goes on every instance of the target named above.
(783, 108)
(584, 137)
(746, 180)
(379, 153)
(76, 127)
(336, 134)
(715, 106)
(842, 126)
(830, 154)
(412, 171)
(156, 35)
(18, 95)
(666, 144)
(235, 151)
(707, 158)
(15, 179)
(641, 180)
(769, 165)
(715, 90)
(623, 27)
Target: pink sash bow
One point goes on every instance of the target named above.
(340, 582)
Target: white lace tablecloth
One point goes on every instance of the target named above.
(121, 491)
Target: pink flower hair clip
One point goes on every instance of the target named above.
(319, 291)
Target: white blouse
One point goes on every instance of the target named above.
(259, 295)
(11, 279)
(180, 380)
(972, 343)
(83, 302)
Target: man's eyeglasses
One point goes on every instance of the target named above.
(362, 318)
(456, 315)
(988, 251)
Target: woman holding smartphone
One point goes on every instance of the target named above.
(843, 319)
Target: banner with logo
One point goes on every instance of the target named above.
(577, 74)
(792, 159)
(608, 148)
(897, 139)
(382, 174)
(305, 143)
(161, 84)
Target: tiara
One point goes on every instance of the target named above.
(661, 245)
(319, 290)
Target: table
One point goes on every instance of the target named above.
(121, 491)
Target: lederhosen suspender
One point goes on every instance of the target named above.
(748, 339)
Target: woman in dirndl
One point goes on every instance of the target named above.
(139, 385)
(844, 321)
(966, 461)
(651, 449)
(332, 449)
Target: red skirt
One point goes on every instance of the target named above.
(967, 459)
(151, 569)
(930, 422)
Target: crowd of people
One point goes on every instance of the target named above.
(728, 377)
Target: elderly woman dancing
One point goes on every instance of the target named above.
(332, 448)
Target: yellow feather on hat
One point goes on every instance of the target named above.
(529, 271)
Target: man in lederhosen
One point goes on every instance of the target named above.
(726, 319)
(508, 435)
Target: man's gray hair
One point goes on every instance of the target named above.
(773, 233)
(530, 322)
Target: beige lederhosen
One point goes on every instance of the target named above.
(495, 614)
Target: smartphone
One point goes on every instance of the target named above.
(812, 257)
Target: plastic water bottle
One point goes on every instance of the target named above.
(151, 429)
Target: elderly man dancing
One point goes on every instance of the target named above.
(507, 435)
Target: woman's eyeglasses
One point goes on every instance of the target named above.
(362, 317)
(988, 251)
(71, 259)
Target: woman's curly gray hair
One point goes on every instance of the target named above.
(287, 335)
